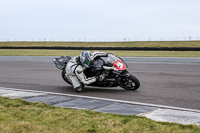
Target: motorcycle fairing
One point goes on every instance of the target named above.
(119, 65)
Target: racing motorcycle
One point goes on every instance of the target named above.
(113, 68)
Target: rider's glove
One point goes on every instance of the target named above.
(100, 78)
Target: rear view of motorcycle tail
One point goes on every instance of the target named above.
(61, 63)
(114, 69)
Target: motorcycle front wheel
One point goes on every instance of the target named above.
(130, 83)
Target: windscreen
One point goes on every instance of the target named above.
(111, 59)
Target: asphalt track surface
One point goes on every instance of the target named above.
(164, 81)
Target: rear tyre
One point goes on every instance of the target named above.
(65, 78)
(130, 83)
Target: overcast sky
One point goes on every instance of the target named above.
(99, 20)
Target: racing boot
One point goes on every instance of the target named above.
(78, 89)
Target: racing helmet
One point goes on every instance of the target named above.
(86, 59)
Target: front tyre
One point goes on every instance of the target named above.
(130, 83)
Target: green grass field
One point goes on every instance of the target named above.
(28, 52)
(20, 116)
(106, 44)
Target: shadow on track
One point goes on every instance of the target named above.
(93, 90)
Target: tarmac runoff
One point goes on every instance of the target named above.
(152, 111)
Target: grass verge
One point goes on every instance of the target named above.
(21, 116)
(105, 44)
(30, 52)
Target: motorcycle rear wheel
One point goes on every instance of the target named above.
(131, 83)
(65, 78)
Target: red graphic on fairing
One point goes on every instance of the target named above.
(119, 65)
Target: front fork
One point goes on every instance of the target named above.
(123, 78)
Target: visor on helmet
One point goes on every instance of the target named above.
(86, 59)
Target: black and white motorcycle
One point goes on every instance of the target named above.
(114, 68)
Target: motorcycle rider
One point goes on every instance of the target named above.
(77, 65)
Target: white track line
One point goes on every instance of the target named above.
(106, 99)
